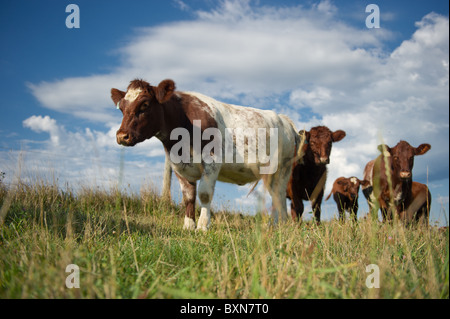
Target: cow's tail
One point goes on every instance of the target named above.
(253, 187)
(167, 180)
(301, 141)
(328, 197)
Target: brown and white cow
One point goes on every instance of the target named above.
(309, 174)
(345, 193)
(391, 178)
(167, 114)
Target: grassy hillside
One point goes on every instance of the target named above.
(133, 246)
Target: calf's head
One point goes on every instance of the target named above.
(142, 109)
(349, 187)
(318, 142)
(401, 157)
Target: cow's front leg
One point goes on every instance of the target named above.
(316, 206)
(188, 191)
(205, 194)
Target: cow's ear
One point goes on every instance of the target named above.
(364, 182)
(338, 135)
(341, 182)
(383, 147)
(422, 149)
(164, 90)
(117, 95)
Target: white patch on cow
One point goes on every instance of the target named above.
(353, 180)
(189, 223)
(132, 94)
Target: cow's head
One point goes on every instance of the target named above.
(319, 141)
(349, 187)
(142, 109)
(402, 157)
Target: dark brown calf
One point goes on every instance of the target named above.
(392, 177)
(345, 194)
(309, 175)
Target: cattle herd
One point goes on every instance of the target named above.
(296, 167)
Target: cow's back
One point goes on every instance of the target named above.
(229, 116)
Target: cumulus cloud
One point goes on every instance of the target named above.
(44, 124)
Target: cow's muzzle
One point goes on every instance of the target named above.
(324, 160)
(405, 175)
(123, 139)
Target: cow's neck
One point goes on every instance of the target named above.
(309, 159)
(406, 190)
(173, 117)
(180, 112)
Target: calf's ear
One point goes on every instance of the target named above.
(422, 149)
(117, 95)
(338, 135)
(364, 182)
(164, 90)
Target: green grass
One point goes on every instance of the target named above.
(133, 246)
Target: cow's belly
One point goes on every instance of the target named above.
(238, 174)
(229, 173)
(192, 172)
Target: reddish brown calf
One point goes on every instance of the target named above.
(392, 177)
(345, 194)
(309, 175)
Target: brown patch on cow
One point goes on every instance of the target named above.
(157, 111)
(189, 192)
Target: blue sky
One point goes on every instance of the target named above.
(313, 60)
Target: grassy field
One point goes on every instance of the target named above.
(133, 246)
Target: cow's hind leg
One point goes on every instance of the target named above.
(276, 184)
(188, 191)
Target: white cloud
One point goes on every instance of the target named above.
(44, 124)
(232, 51)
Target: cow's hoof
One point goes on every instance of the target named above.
(201, 228)
(203, 223)
(189, 223)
